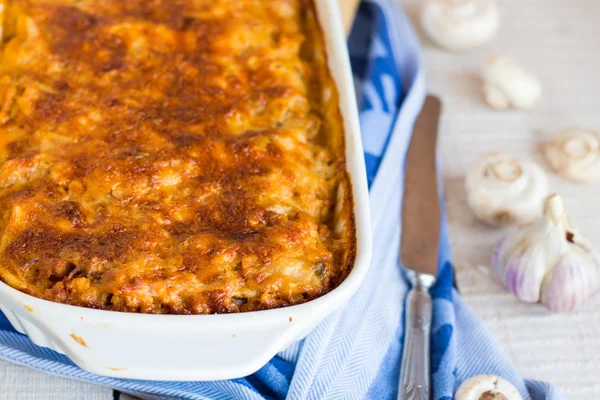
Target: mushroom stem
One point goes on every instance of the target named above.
(577, 148)
(507, 170)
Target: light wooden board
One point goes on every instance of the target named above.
(22, 383)
(560, 41)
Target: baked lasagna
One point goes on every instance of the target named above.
(171, 156)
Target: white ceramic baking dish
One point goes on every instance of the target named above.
(204, 347)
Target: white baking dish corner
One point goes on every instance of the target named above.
(204, 347)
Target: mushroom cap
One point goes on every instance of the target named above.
(575, 154)
(460, 24)
(487, 387)
(502, 190)
(507, 82)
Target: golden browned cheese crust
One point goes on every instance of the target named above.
(170, 156)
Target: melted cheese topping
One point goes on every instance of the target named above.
(170, 156)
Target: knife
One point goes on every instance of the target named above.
(421, 220)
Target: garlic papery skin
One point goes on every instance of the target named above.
(460, 24)
(503, 190)
(487, 387)
(548, 261)
(509, 84)
(575, 154)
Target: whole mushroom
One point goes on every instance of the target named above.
(487, 387)
(507, 83)
(460, 24)
(575, 154)
(503, 190)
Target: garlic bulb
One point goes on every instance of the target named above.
(508, 83)
(502, 190)
(548, 262)
(460, 24)
(575, 154)
(487, 387)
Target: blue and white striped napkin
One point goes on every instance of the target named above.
(355, 353)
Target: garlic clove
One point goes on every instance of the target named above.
(575, 154)
(548, 261)
(525, 273)
(487, 387)
(502, 190)
(508, 83)
(460, 24)
(572, 282)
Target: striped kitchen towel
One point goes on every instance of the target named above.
(354, 353)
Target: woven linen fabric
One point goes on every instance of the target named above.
(355, 352)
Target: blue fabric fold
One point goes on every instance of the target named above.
(355, 352)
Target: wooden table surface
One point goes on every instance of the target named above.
(560, 41)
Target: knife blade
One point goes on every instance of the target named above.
(419, 246)
(421, 214)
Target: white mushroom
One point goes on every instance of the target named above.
(460, 24)
(502, 190)
(575, 154)
(508, 83)
(487, 387)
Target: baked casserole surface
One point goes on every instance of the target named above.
(170, 156)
